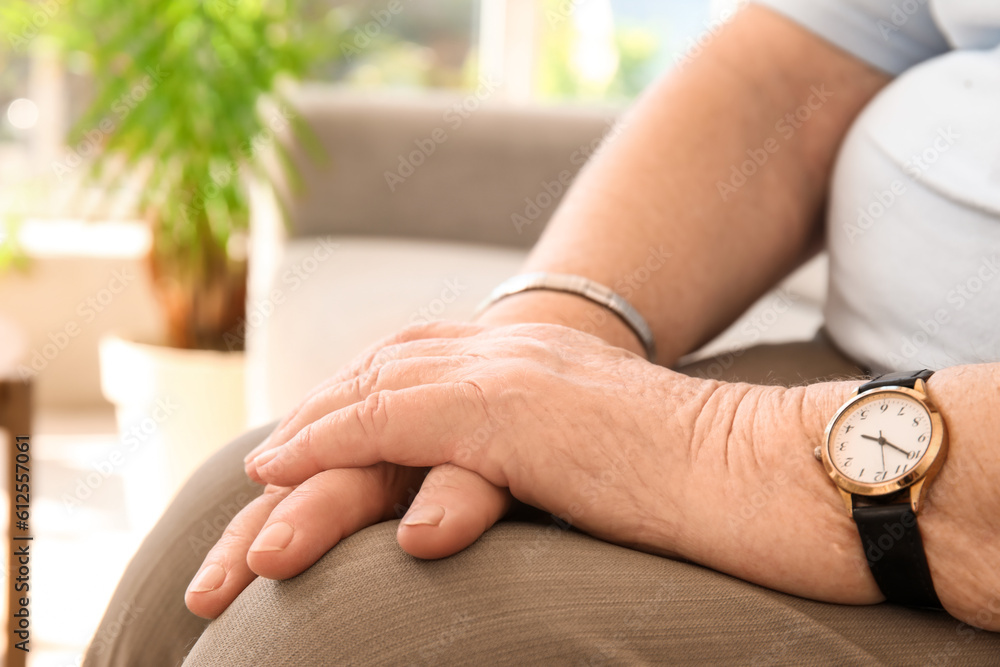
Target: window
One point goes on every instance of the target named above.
(539, 50)
(611, 49)
(586, 50)
(403, 43)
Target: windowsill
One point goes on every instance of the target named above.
(81, 238)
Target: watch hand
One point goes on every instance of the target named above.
(882, 449)
(898, 449)
(868, 437)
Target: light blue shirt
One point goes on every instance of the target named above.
(895, 35)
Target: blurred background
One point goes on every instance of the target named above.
(195, 194)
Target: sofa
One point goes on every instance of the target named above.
(413, 209)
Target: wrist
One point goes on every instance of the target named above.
(767, 511)
(570, 310)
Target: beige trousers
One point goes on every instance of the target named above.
(528, 592)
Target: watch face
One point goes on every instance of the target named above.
(880, 438)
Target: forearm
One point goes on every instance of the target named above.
(646, 216)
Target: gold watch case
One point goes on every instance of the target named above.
(918, 479)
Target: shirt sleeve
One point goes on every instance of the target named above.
(890, 35)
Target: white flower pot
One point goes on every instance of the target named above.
(174, 408)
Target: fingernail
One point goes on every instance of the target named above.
(209, 579)
(264, 458)
(256, 450)
(428, 515)
(274, 538)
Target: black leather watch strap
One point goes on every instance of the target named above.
(900, 379)
(889, 532)
(895, 554)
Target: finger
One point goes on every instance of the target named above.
(325, 509)
(453, 509)
(224, 573)
(445, 330)
(440, 336)
(394, 374)
(418, 427)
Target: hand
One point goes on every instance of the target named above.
(882, 441)
(567, 422)
(301, 516)
(909, 455)
(311, 518)
(718, 474)
(232, 564)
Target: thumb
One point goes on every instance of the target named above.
(452, 509)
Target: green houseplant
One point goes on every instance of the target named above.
(179, 111)
(185, 96)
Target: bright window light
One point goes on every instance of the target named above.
(22, 114)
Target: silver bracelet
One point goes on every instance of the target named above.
(585, 287)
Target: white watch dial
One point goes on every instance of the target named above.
(880, 438)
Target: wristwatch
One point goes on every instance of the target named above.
(883, 448)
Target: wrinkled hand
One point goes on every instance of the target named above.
(558, 417)
(565, 421)
(287, 529)
(719, 474)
